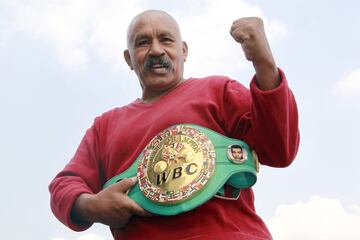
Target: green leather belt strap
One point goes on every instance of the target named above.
(177, 149)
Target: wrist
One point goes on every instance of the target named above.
(267, 74)
(83, 209)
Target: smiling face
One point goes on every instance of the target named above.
(155, 52)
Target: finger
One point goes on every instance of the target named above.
(120, 222)
(236, 24)
(240, 23)
(135, 209)
(125, 184)
(239, 35)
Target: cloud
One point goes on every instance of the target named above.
(77, 30)
(87, 236)
(74, 29)
(57, 24)
(350, 85)
(109, 26)
(91, 236)
(211, 47)
(317, 219)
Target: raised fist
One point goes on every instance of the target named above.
(251, 34)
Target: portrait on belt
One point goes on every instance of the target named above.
(236, 154)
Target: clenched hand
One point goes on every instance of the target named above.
(111, 206)
(250, 33)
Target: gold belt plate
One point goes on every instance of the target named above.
(176, 164)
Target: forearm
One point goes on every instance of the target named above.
(64, 190)
(275, 124)
(82, 212)
(267, 74)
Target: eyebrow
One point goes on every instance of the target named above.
(167, 33)
(140, 36)
(161, 34)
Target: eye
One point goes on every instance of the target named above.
(166, 39)
(142, 42)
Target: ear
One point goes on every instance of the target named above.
(128, 59)
(185, 50)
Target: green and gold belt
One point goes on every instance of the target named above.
(185, 165)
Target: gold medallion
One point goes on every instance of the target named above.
(176, 164)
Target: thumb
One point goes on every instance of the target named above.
(125, 184)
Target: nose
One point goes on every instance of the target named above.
(156, 49)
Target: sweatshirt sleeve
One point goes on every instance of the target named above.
(80, 175)
(266, 120)
(275, 123)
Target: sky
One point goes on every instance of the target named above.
(61, 65)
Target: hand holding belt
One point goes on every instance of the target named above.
(185, 165)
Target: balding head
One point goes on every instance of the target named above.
(145, 16)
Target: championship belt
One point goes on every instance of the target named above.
(185, 165)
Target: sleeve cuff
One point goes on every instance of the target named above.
(254, 88)
(76, 226)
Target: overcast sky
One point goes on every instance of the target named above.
(61, 65)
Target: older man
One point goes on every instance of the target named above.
(265, 117)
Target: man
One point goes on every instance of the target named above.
(236, 154)
(265, 117)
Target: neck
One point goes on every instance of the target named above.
(151, 96)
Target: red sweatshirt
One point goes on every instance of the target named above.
(266, 120)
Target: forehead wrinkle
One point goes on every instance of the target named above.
(143, 19)
(160, 34)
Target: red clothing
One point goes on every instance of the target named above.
(266, 120)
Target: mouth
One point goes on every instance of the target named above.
(159, 68)
(158, 65)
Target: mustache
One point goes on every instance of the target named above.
(157, 60)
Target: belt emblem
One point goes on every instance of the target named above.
(176, 164)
